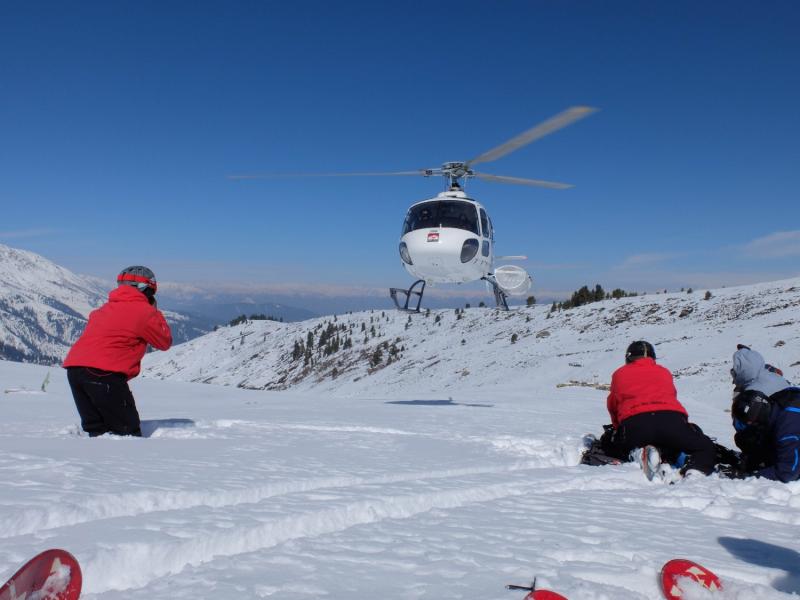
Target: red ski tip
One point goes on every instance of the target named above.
(52, 575)
(679, 569)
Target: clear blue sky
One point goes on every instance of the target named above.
(119, 122)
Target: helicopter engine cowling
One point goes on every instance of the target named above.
(513, 280)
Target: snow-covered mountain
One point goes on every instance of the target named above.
(397, 353)
(43, 308)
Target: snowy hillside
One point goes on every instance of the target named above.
(43, 308)
(393, 353)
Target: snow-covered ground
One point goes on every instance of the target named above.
(429, 493)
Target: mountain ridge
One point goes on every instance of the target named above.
(44, 308)
(396, 352)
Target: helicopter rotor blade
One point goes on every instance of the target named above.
(552, 124)
(281, 175)
(553, 185)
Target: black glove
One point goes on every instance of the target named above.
(732, 472)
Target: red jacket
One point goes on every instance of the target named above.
(639, 387)
(117, 334)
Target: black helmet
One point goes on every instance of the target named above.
(750, 408)
(640, 349)
(139, 277)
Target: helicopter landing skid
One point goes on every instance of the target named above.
(499, 295)
(408, 293)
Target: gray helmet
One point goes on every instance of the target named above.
(139, 277)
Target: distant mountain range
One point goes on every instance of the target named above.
(44, 308)
(225, 307)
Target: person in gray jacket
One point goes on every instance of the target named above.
(751, 372)
(766, 416)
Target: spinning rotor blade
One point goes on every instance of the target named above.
(278, 175)
(553, 185)
(542, 129)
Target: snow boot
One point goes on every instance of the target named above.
(649, 459)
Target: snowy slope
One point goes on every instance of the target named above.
(695, 337)
(43, 308)
(255, 494)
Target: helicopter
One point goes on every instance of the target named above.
(450, 238)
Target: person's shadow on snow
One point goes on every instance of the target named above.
(768, 555)
(151, 426)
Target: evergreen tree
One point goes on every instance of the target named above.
(377, 357)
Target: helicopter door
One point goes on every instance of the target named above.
(485, 228)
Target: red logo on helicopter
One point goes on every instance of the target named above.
(433, 236)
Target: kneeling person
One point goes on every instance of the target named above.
(766, 416)
(110, 351)
(645, 411)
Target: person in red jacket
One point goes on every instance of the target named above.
(645, 411)
(110, 351)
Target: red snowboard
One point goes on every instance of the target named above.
(544, 595)
(680, 568)
(53, 575)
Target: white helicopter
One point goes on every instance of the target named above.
(450, 238)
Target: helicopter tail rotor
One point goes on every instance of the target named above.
(508, 280)
(513, 280)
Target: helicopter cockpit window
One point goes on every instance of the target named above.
(484, 224)
(442, 213)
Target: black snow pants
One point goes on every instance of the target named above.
(104, 401)
(671, 433)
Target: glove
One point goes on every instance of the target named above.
(732, 472)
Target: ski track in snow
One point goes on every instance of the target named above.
(109, 506)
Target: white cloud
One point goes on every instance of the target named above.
(555, 266)
(638, 260)
(654, 280)
(24, 233)
(775, 245)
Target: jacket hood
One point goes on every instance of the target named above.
(749, 373)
